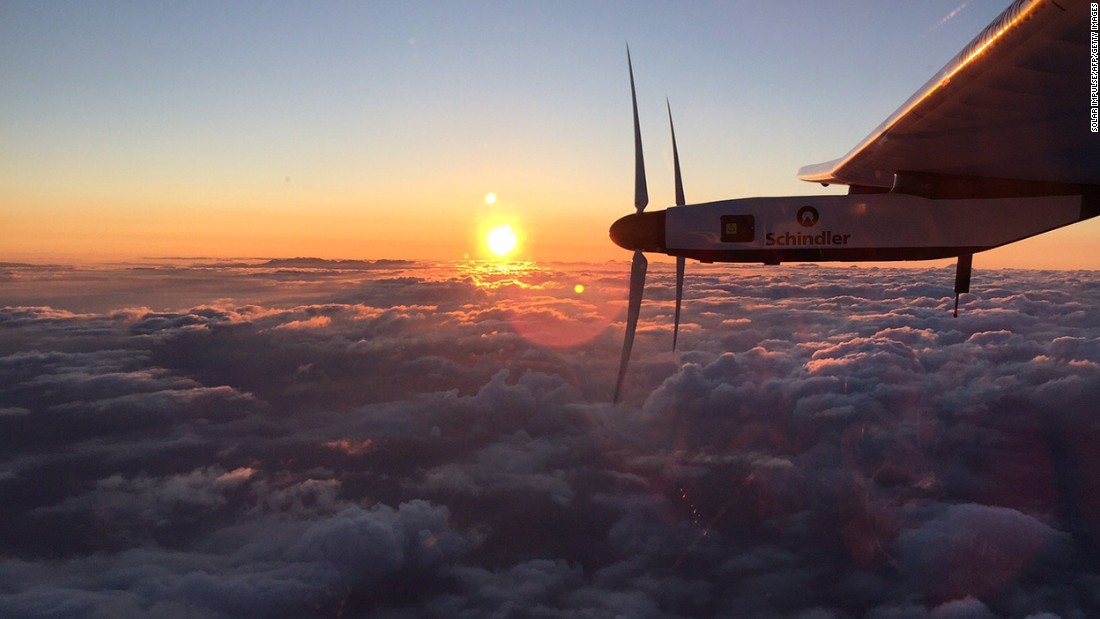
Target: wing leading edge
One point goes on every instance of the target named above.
(1013, 104)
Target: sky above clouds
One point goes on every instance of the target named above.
(399, 439)
(375, 129)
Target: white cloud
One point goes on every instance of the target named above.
(826, 443)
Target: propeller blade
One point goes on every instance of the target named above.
(641, 194)
(680, 201)
(633, 308)
(680, 261)
(676, 160)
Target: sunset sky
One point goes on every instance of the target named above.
(377, 129)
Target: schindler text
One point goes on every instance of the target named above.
(787, 239)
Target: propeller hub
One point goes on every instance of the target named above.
(640, 232)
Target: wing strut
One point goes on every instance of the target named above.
(962, 278)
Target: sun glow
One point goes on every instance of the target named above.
(501, 240)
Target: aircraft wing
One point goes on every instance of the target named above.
(1013, 104)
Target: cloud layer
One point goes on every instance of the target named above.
(397, 440)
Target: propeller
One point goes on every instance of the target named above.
(639, 263)
(680, 260)
(637, 282)
(642, 232)
(641, 194)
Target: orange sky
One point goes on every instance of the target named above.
(180, 131)
(83, 232)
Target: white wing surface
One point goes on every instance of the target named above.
(1013, 104)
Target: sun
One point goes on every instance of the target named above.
(501, 240)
